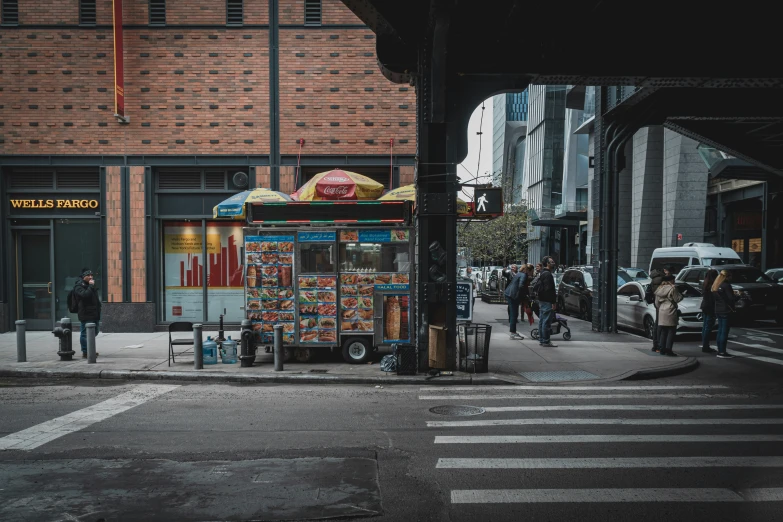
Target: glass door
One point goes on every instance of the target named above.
(34, 279)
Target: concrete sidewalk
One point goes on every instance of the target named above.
(588, 357)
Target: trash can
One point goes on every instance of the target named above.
(407, 359)
(473, 345)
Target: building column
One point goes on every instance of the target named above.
(646, 195)
(624, 208)
(114, 244)
(685, 179)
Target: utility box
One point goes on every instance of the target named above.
(437, 346)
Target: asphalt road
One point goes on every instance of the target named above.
(706, 446)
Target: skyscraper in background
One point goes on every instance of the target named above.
(509, 119)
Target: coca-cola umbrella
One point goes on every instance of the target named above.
(234, 207)
(408, 193)
(338, 184)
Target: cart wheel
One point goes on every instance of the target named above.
(304, 354)
(567, 336)
(534, 333)
(356, 350)
(290, 354)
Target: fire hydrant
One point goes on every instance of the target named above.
(64, 332)
(248, 346)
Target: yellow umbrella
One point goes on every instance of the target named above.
(408, 193)
(338, 184)
(234, 207)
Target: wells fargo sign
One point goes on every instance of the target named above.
(54, 203)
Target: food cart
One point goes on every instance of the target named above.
(335, 274)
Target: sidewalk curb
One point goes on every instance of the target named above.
(220, 377)
(685, 366)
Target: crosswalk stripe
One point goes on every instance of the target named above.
(40, 434)
(637, 407)
(577, 388)
(582, 396)
(760, 347)
(757, 357)
(529, 496)
(762, 332)
(605, 439)
(619, 422)
(612, 463)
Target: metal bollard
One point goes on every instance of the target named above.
(279, 353)
(90, 343)
(21, 341)
(198, 349)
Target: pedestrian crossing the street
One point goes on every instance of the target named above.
(620, 444)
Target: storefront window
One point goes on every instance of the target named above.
(316, 258)
(77, 245)
(188, 269)
(374, 257)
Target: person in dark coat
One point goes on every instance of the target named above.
(547, 296)
(513, 295)
(708, 310)
(89, 306)
(656, 276)
(724, 307)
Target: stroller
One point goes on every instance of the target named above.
(558, 322)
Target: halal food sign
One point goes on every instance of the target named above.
(54, 203)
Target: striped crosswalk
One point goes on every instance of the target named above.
(708, 432)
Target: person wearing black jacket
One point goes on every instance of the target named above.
(708, 310)
(513, 295)
(89, 306)
(656, 276)
(723, 294)
(547, 296)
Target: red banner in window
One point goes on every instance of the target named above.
(119, 78)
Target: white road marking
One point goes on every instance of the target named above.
(619, 422)
(638, 407)
(578, 388)
(612, 463)
(757, 357)
(603, 439)
(763, 332)
(582, 396)
(35, 436)
(759, 347)
(529, 496)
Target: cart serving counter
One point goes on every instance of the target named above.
(334, 274)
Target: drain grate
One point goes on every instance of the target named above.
(576, 375)
(318, 371)
(457, 411)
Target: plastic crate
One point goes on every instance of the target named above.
(407, 359)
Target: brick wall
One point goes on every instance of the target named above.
(407, 173)
(287, 179)
(333, 95)
(138, 246)
(263, 177)
(197, 91)
(113, 235)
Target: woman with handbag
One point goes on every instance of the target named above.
(724, 307)
(666, 298)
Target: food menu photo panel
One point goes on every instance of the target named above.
(317, 309)
(269, 284)
(396, 318)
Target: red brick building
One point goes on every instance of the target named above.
(202, 81)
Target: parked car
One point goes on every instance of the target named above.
(776, 274)
(633, 312)
(759, 297)
(575, 290)
(636, 273)
(692, 254)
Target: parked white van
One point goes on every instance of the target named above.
(699, 254)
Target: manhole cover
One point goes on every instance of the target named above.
(575, 375)
(457, 411)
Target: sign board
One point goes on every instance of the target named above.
(464, 300)
(488, 201)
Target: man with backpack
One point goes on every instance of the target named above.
(544, 287)
(84, 301)
(656, 276)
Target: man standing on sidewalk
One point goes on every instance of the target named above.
(513, 295)
(89, 306)
(547, 296)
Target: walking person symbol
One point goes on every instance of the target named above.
(482, 202)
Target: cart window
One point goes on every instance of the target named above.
(374, 257)
(316, 258)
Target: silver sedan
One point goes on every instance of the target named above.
(633, 312)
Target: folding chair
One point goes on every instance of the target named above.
(179, 327)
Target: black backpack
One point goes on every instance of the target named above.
(72, 301)
(535, 286)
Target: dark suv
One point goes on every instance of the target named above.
(575, 292)
(758, 295)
